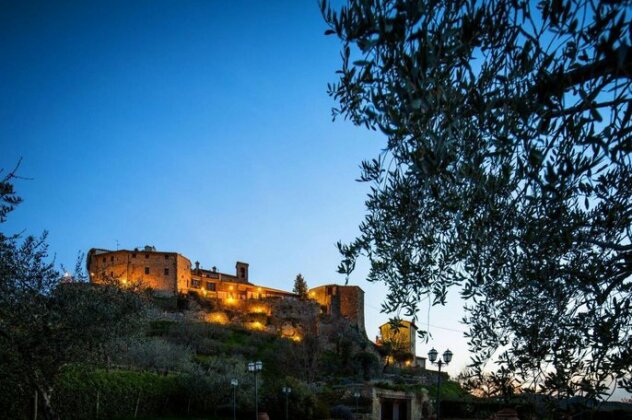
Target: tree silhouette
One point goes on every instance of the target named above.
(46, 323)
(300, 286)
(506, 174)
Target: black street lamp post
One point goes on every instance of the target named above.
(255, 367)
(447, 358)
(234, 383)
(286, 390)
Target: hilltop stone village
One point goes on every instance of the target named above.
(170, 274)
(329, 310)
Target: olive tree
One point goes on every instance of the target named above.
(46, 321)
(506, 174)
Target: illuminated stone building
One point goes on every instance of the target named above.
(164, 272)
(169, 273)
(231, 289)
(403, 339)
(341, 301)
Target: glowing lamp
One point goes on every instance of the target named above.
(255, 366)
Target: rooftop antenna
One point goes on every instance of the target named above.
(117, 244)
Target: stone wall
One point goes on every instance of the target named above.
(401, 405)
(160, 271)
(341, 302)
(290, 318)
(352, 305)
(183, 272)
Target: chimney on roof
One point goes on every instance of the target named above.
(214, 269)
(197, 266)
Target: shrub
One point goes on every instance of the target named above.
(367, 364)
(152, 353)
(341, 412)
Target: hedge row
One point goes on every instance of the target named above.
(81, 393)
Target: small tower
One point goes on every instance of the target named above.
(241, 269)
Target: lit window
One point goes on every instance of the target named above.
(146, 270)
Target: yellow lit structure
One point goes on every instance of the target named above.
(169, 273)
(401, 337)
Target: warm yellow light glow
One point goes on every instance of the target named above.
(259, 309)
(256, 325)
(124, 281)
(259, 288)
(230, 301)
(231, 288)
(297, 338)
(312, 294)
(408, 363)
(217, 318)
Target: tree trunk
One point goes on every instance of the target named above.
(46, 393)
(35, 405)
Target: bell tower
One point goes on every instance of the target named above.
(241, 269)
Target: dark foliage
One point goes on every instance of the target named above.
(506, 174)
(341, 412)
(300, 286)
(46, 323)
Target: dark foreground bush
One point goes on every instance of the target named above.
(341, 412)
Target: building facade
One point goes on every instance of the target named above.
(169, 273)
(403, 336)
(341, 301)
(164, 272)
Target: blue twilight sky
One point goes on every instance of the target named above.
(198, 127)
